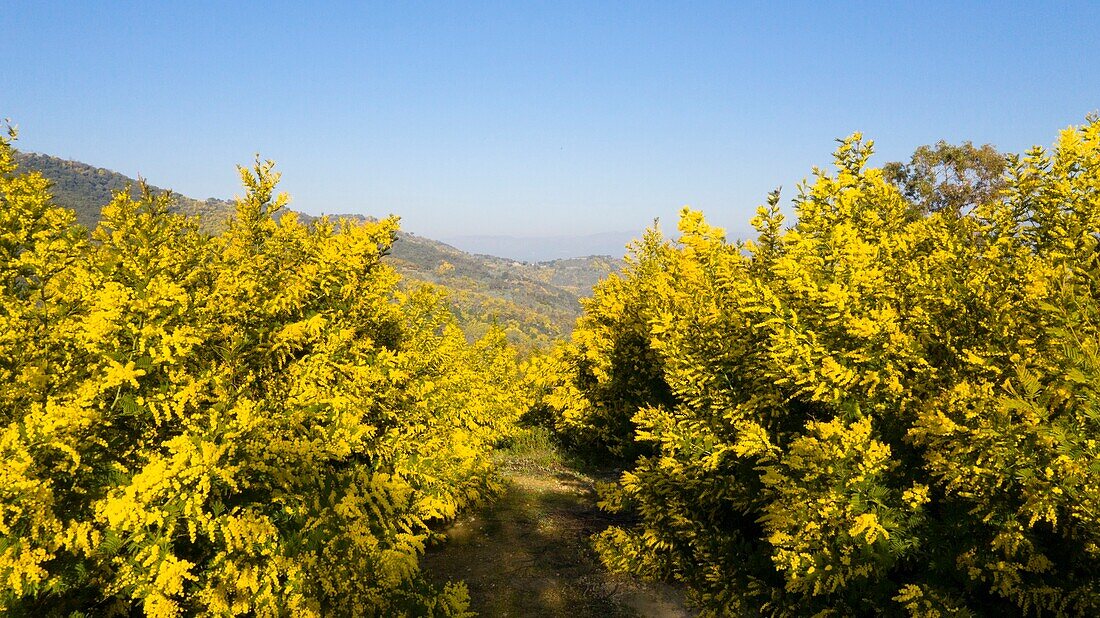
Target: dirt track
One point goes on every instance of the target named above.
(528, 554)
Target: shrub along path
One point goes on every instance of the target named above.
(528, 552)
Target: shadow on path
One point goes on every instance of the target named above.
(528, 554)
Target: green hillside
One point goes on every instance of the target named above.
(534, 302)
(85, 189)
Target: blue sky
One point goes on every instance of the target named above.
(540, 118)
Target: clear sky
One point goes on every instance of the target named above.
(532, 118)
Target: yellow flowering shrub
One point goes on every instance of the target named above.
(257, 423)
(613, 367)
(877, 410)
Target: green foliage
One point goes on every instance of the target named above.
(888, 408)
(254, 423)
(949, 177)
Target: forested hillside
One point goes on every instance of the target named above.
(85, 189)
(533, 302)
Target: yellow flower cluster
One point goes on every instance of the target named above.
(256, 423)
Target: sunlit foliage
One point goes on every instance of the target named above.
(256, 423)
(881, 409)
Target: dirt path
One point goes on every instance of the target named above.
(528, 553)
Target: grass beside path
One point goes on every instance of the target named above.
(528, 552)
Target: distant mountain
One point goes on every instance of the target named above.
(534, 302)
(545, 248)
(539, 299)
